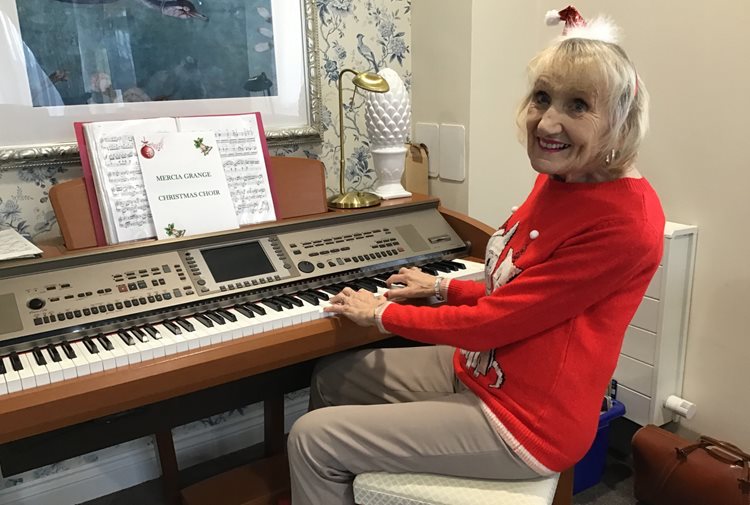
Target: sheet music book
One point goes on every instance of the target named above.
(112, 170)
(13, 246)
(183, 177)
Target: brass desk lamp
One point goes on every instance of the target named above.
(354, 199)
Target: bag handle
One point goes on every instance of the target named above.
(726, 452)
(731, 448)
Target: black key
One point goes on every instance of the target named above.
(152, 332)
(280, 301)
(365, 284)
(227, 315)
(204, 320)
(90, 346)
(53, 353)
(125, 336)
(15, 361)
(272, 305)
(172, 327)
(429, 270)
(216, 318)
(105, 342)
(38, 356)
(309, 298)
(139, 334)
(186, 325)
(332, 290)
(256, 308)
(319, 294)
(379, 283)
(2, 366)
(458, 265)
(446, 266)
(68, 350)
(245, 312)
(293, 299)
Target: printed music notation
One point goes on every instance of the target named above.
(241, 149)
(116, 171)
(118, 182)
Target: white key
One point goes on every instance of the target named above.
(156, 345)
(295, 315)
(53, 367)
(66, 365)
(272, 320)
(118, 350)
(28, 381)
(12, 378)
(248, 324)
(193, 338)
(132, 352)
(243, 324)
(80, 362)
(232, 329)
(108, 358)
(94, 361)
(165, 341)
(41, 374)
(201, 336)
(180, 343)
(144, 348)
(3, 385)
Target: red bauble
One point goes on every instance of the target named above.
(147, 152)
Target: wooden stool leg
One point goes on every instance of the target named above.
(169, 470)
(273, 425)
(564, 492)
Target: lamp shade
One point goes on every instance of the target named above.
(388, 115)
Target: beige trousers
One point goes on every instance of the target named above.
(391, 410)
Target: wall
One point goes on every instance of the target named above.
(442, 93)
(695, 60)
(24, 205)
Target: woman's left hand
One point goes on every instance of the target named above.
(359, 306)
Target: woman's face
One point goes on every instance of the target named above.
(565, 125)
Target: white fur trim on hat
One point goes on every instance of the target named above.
(552, 18)
(600, 28)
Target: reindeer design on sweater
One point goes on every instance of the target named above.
(495, 276)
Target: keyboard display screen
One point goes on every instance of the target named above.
(237, 261)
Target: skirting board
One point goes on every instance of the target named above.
(136, 462)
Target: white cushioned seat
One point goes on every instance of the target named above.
(380, 488)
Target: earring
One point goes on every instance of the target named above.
(610, 157)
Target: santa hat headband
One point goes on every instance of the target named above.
(600, 28)
(576, 27)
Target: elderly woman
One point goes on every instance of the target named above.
(513, 387)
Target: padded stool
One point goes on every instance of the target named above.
(380, 488)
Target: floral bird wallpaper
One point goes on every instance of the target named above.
(358, 34)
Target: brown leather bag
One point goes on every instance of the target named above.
(671, 470)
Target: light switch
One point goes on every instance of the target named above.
(429, 135)
(452, 152)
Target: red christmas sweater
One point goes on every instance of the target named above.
(538, 341)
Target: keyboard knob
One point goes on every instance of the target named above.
(305, 267)
(35, 303)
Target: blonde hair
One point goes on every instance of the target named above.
(621, 90)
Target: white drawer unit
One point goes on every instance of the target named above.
(652, 359)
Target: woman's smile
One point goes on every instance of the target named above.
(550, 145)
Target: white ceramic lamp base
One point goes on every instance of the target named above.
(389, 166)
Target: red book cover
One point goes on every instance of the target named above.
(88, 180)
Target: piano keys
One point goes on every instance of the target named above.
(68, 359)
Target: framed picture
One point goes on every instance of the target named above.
(96, 60)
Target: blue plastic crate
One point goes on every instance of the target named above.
(588, 472)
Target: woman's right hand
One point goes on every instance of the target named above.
(410, 283)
